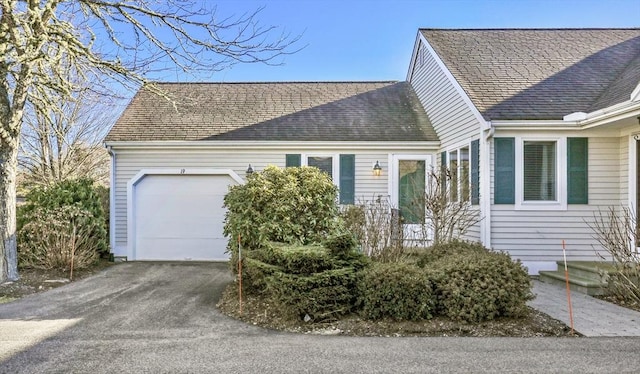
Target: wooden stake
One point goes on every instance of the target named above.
(73, 252)
(240, 274)
(566, 277)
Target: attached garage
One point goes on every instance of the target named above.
(173, 160)
(178, 215)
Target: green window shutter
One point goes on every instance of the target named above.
(505, 171)
(347, 179)
(293, 160)
(577, 170)
(475, 172)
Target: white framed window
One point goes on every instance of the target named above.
(540, 173)
(458, 164)
(328, 163)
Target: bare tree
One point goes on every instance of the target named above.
(617, 231)
(448, 214)
(44, 43)
(66, 143)
(377, 227)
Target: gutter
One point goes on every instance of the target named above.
(112, 199)
(612, 113)
(576, 120)
(486, 134)
(261, 144)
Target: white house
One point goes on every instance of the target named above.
(172, 164)
(540, 126)
(555, 115)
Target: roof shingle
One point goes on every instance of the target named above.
(302, 111)
(513, 74)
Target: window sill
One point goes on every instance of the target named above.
(541, 205)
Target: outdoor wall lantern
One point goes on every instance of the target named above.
(377, 169)
(249, 170)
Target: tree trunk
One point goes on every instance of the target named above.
(8, 243)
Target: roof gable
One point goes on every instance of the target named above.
(302, 111)
(540, 73)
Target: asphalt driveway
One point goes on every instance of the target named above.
(161, 318)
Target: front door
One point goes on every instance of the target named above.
(409, 180)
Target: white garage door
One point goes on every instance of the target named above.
(180, 217)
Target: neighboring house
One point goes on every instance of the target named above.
(539, 129)
(174, 160)
(554, 114)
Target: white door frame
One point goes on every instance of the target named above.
(394, 183)
(632, 172)
(131, 191)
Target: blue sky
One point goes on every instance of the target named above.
(373, 39)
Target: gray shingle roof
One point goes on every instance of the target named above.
(302, 111)
(540, 73)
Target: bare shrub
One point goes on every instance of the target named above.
(445, 218)
(617, 232)
(377, 226)
(59, 238)
(435, 218)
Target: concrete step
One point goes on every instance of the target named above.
(576, 283)
(595, 270)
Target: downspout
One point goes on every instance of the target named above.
(112, 199)
(485, 184)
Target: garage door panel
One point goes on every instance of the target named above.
(192, 183)
(180, 217)
(179, 249)
(186, 229)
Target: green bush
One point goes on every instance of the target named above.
(255, 273)
(341, 242)
(104, 195)
(476, 286)
(55, 238)
(321, 296)
(454, 247)
(399, 291)
(298, 259)
(304, 279)
(292, 205)
(79, 193)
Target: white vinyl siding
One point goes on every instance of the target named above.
(449, 113)
(130, 161)
(451, 117)
(537, 235)
(624, 170)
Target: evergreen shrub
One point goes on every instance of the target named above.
(48, 201)
(477, 286)
(294, 205)
(399, 291)
(454, 247)
(322, 296)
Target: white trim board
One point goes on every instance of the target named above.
(561, 175)
(274, 145)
